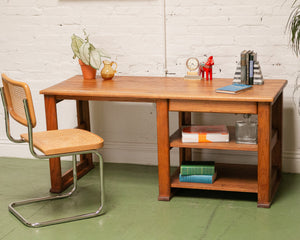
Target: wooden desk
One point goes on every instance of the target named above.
(184, 96)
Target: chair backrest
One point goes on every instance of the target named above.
(14, 93)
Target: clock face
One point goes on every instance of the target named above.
(192, 64)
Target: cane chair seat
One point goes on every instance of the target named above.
(64, 141)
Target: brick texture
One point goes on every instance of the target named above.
(35, 43)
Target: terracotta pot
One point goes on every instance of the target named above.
(87, 71)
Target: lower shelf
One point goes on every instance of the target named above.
(230, 177)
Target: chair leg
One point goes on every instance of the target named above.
(99, 211)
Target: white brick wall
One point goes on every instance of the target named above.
(35, 47)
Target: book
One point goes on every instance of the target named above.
(197, 168)
(233, 88)
(198, 178)
(243, 67)
(248, 67)
(199, 133)
(251, 69)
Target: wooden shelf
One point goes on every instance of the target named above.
(230, 177)
(175, 141)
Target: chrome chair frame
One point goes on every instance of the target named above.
(12, 205)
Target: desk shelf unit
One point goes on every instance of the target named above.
(230, 177)
(183, 96)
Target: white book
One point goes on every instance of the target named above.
(198, 133)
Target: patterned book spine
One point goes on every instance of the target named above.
(248, 67)
(197, 170)
(251, 68)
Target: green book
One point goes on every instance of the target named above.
(197, 168)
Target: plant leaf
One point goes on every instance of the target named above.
(95, 59)
(76, 44)
(92, 47)
(84, 52)
(293, 28)
(102, 53)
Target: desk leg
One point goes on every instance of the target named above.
(264, 170)
(54, 163)
(86, 161)
(276, 152)
(277, 124)
(163, 149)
(83, 121)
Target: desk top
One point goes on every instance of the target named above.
(142, 88)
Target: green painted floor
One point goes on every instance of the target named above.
(133, 212)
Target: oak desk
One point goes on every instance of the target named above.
(184, 96)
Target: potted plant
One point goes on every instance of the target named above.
(293, 27)
(89, 56)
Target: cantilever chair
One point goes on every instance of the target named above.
(17, 102)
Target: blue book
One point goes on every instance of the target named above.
(234, 88)
(198, 178)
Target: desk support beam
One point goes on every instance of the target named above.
(163, 147)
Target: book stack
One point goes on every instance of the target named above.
(248, 71)
(198, 133)
(197, 172)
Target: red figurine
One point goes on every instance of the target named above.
(207, 67)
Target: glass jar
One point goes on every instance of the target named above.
(246, 130)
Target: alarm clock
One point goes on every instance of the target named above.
(192, 65)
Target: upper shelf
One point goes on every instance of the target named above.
(175, 141)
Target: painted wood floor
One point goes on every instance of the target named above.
(133, 212)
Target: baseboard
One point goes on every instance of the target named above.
(17, 150)
(291, 161)
(146, 154)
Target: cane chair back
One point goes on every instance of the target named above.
(15, 92)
